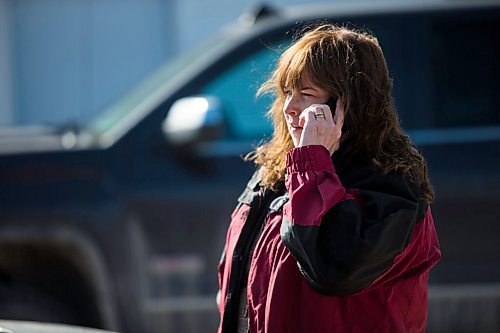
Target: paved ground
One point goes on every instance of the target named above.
(464, 308)
(8, 326)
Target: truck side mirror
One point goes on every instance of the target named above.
(193, 120)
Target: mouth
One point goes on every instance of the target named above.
(296, 127)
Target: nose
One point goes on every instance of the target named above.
(291, 105)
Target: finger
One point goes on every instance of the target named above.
(309, 135)
(320, 109)
(302, 118)
(328, 113)
(308, 115)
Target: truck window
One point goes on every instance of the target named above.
(237, 88)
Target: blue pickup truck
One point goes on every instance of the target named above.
(119, 223)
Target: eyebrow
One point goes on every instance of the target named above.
(306, 88)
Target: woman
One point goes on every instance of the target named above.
(334, 231)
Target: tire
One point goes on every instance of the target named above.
(20, 302)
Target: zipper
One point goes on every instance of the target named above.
(241, 257)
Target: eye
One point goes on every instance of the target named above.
(308, 92)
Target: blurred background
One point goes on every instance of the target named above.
(62, 62)
(123, 123)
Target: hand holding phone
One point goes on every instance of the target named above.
(325, 130)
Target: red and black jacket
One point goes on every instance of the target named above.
(342, 248)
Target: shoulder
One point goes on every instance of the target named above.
(362, 175)
(381, 194)
(251, 188)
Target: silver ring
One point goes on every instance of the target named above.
(319, 115)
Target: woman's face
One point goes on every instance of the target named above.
(297, 101)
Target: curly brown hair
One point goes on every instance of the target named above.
(350, 65)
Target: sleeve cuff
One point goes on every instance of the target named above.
(308, 158)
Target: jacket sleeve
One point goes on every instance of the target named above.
(344, 238)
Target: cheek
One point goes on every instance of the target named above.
(304, 104)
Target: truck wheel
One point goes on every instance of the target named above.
(19, 302)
